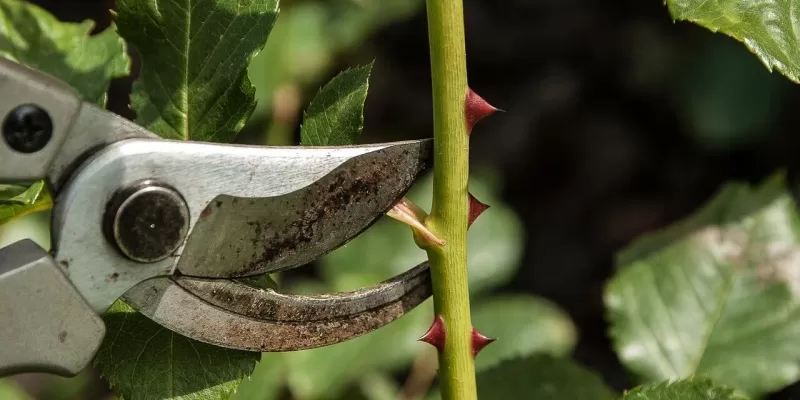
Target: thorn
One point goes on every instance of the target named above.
(479, 341)
(477, 109)
(412, 215)
(476, 208)
(435, 334)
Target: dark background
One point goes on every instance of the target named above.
(618, 122)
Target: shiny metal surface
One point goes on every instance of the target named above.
(265, 321)
(94, 128)
(236, 236)
(205, 173)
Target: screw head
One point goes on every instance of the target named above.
(147, 221)
(27, 128)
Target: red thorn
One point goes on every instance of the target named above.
(479, 341)
(476, 208)
(477, 109)
(435, 334)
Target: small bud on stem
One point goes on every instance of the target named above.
(412, 215)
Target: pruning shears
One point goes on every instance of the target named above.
(169, 226)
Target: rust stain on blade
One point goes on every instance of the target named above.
(175, 308)
(269, 304)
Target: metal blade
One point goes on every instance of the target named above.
(235, 316)
(236, 237)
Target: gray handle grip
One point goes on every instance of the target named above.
(45, 324)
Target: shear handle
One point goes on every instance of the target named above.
(37, 112)
(46, 324)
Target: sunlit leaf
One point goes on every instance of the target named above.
(687, 389)
(33, 37)
(195, 53)
(767, 27)
(717, 294)
(336, 115)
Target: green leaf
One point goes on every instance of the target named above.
(688, 389)
(494, 244)
(143, 360)
(541, 377)
(17, 201)
(336, 115)
(195, 53)
(33, 37)
(716, 295)
(767, 28)
(523, 325)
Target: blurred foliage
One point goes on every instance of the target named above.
(303, 48)
(723, 95)
(541, 378)
(10, 391)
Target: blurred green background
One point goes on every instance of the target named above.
(618, 122)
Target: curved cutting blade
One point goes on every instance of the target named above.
(235, 236)
(232, 315)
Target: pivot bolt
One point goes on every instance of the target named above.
(147, 221)
(27, 128)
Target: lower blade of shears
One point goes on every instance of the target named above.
(232, 315)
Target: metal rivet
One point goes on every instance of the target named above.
(147, 221)
(27, 128)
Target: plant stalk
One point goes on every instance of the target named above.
(449, 211)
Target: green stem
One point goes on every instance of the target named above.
(449, 212)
